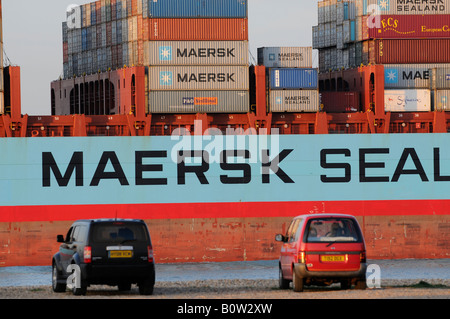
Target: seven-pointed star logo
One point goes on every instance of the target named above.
(384, 4)
(391, 76)
(165, 53)
(165, 78)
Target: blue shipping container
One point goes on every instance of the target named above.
(353, 30)
(197, 8)
(293, 79)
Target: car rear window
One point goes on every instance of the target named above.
(118, 233)
(332, 230)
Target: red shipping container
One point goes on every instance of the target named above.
(408, 27)
(145, 23)
(340, 102)
(409, 51)
(198, 29)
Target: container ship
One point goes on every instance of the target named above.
(159, 115)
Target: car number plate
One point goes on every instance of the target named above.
(120, 254)
(332, 258)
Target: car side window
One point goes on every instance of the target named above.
(69, 235)
(293, 231)
(75, 234)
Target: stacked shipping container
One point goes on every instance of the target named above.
(409, 38)
(292, 83)
(196, 52)
(197, 57)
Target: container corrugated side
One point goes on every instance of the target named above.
(409, 51)
(408, 7)
(196, 53)
(441, 77)
(198, 78)
(293, 78)
(285, 57)
(409, 76)
(198, 29)
(407, 100)
(199, 101)
(410, 27)
(294, 100)
(198, 9)
(442, 100)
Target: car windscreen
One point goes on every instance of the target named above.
(118, 233)
(323, 230)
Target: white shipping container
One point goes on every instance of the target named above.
(416, 7)
(285, 57)
(294, 101)
(198, 78)
(407, 100)
(196, 53)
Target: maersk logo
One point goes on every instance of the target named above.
(279, 100)
(165, 78)
(165, 53)
(272, 57)
(384, 5)
(391, 76)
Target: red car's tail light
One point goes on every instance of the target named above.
(87, 255)
(362, 256)
(301, 257)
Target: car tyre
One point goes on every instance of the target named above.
(124, 287)
(297, 282)
(146, 287)
(283, 283)
(361, 284)
(56, 277)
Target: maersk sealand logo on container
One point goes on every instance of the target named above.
(165, 53)
(391, 76)
(384, 5)
(165, 78)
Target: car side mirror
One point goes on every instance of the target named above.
(60, 238)
(280, 238)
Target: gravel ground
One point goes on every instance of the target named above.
(242, 280)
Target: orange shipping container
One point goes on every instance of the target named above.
(198, 29)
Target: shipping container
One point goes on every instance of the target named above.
(198, 29)
(340, 102)
(409, 27)
(409, 76)
(294, 101)
(293, 79)
(198, 102)
(198, 78)
(285, 57)
(441, 100)
(196, 53)
(408, 7)
(197, 9)
(409, 51)
(440, 77)
(407, 100)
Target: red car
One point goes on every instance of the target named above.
(322, 249)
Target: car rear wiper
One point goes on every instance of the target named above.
(127, 240)
(333, 242)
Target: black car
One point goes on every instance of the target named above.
(115, 252)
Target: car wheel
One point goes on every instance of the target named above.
(297, 282)
(146, 287)
(361, 284)
(283, 283)
(345, 284)
(56, 278)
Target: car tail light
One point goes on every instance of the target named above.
(301, 257)
(87, 255)
(150, 254)
(362, 256)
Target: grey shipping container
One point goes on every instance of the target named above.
(198, 78)
(285, 57)
(441, 77)
(409, 76)
(198, 102)
(196, 53)
(294, 101)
